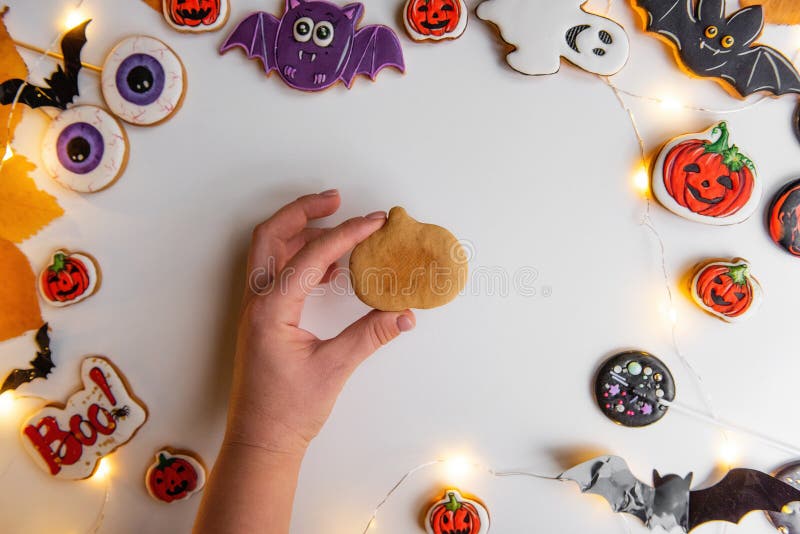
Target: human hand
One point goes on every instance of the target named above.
(286, 380)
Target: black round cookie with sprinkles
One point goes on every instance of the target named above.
(629, 387)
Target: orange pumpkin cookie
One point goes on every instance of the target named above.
(408, 264)
(456, 514)
(175, 476)
(727, 289)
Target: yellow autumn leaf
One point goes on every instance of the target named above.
(19, 303)
(24, 209)
(11, 66)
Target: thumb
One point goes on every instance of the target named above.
(359, 340)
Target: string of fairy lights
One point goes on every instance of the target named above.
(455, 467)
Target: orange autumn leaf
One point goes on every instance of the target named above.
(777, 11)
(11, 66)
(155, 4)
(19, 304)
(24, 208)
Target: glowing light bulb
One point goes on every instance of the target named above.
(74, 18)
(6, 403)
(457, 468)
(9, 153)
(641, 180)
(103, 470)
(729, 452)
(673, 315)
(670, 104)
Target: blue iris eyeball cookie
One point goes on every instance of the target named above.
(143, 81)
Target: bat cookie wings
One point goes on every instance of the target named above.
(670, 503)
(712, 45)
(316, 43)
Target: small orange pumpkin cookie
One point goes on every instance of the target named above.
(408, 264)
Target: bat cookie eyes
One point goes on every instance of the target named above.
(323, 34)
(305, 30)
(143, 81)
(85, 149)
(712, 32)
(302, 29)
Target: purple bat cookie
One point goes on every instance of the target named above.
(315, 44)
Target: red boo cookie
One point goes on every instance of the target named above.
(784, 218)
(174, 477)
(704, 178)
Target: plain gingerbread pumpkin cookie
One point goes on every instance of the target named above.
(408, 264)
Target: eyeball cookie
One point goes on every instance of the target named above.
(727, 289)
(143, 81)
(69, 279)
(85, 149)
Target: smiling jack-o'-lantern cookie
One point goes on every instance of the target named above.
(69, 279)
(174, 476)
(727, 289)
(455, 513)
(704, 178)
(196, 15)
(408, 264)
(435, 20)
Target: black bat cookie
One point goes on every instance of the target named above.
(670, 503)
(715, 46)
(62, 86)
(41, 365)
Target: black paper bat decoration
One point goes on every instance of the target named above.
(62, 86)
(41, 365)
(713, 46)
(670, 502)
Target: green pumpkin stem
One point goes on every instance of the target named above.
(731, 157)
(163, 461)
(739, 274)
(453, 505)
(59, 261)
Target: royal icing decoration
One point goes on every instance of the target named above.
(85, 149)
(712, 45)
(143, 81)
(727, 289)
(69, 442)
(704, 178)
(544, 31)
(788, 520)
(784, 218)
(196, 15)
(68, 279)
(315, 44)
(630, 386)
(435, 20)
(174, 477)
(455, 514)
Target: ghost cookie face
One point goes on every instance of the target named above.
(85, 149)
(704, 178)
(196, 15)
(143, 81)
(69, 279)
(408, 264)
(435, 20)
(175, 476)
(544, 31)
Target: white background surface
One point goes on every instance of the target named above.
(534, 172)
